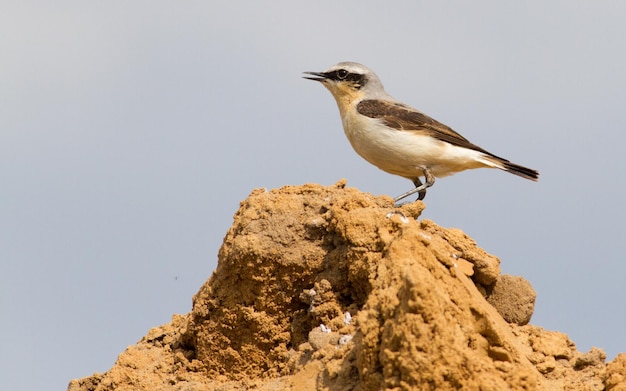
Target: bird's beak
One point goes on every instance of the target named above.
(321, 76)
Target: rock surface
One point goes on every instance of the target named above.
(328, 288)
(513, 297)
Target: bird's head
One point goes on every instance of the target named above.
(349, 80)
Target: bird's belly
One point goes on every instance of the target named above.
(407, 153)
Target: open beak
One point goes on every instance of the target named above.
(320, 76)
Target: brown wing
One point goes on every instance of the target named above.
(405, 118)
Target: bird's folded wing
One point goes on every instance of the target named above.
(404, 118)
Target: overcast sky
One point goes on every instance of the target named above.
(130, 132)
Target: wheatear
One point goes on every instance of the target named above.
(399, 139)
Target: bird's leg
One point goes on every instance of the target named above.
(422, 193)
(419, 186)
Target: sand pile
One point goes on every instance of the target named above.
(328, 288)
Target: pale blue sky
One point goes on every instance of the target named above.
(130, 131)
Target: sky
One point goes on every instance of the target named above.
(130, 132)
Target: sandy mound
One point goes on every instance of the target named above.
(328, 288)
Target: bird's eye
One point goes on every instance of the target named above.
(342, 74)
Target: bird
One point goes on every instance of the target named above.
(398, 138)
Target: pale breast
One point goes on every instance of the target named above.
(405, 153)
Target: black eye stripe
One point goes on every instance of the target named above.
(342, 74)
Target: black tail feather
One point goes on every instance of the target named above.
(522, 171)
